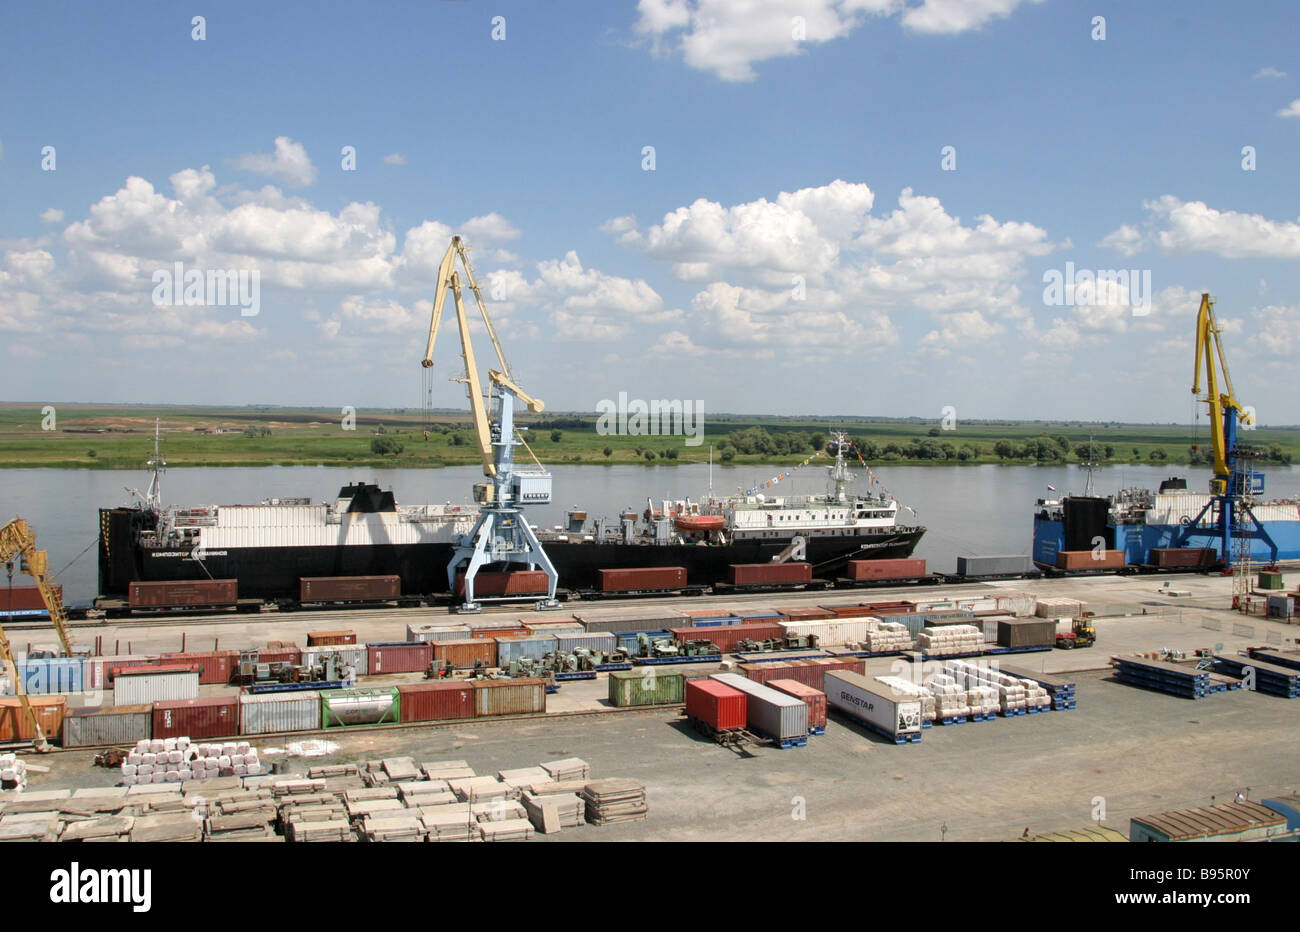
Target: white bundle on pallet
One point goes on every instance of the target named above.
(950, 639)
(888, 635)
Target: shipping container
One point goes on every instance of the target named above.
(101, 671)
(52, 675)
(769, 711)
(1026, 632)
(373, 705)
(602, 641)
(552, 627)
(873, 705)
(847, 611)
(759, 616)
(332, 638)
(519, 696)
(429, 633)
(465, 653)
(646, 686)
(694, 613)
(272, 713)
(715, 621)
(815, 699)
(216, 667)
(16, 726)
(886, 569)
(436, 700)
(491, 634)
(197, 719)
(532, 647)
(352, 655)
(727, 637)
(1184, 557)
(496, 584)
(1090, 560)
(902, 607)
(1013, 565)
(121, 725)
(805, 613)
(198, 593)
(769, 574)
(619, 621)
(718, 705)
(137, 685)
(349, 588)
(398, 657)
(811, 672)
(641, 578)
(25, 601)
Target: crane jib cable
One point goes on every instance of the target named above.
(92, 543)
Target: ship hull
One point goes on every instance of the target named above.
(274, 572)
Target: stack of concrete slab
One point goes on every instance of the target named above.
(403, 825)
(446, 770)
(450, 823)
(167, 826)
(571, 768)
(33, 825)
(331, 770)
(103, 828)
(416, 794)
(364, 808)
(554, 811)
(615, 799)
(888, 636)
(401, 768)
(499, 810)
(481, 789)
(303, 829)
(506, 830)
(950, 639)
(521, 778)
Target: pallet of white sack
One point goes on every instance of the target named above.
(984, 717)
(950, 720)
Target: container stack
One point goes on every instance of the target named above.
(615, 800)
(950, 639)
(888, 637)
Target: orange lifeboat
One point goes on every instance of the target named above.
(701, 522)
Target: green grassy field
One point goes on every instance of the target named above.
(120, 437)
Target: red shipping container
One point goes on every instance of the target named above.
(809, 672)
(25, 599)
(215, 667)
(1184, 556)
(1090, 560)
(815, 699)
(716, 704)
(886, 569)
(889, 608)
(848, 611)
(491, 633)
(728, 636)
(102, 670)
(802, 613)
(290, 655)
(196, 594)
(348, 588)
(464, 653)
(769, 574)
(642, 577)
(436, 701)
(399, 657)
(518, 582)
(196, 718)
(330, 638)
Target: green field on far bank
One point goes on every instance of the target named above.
(121, 437)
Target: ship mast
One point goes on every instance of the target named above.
(153, 499)
(839, 473)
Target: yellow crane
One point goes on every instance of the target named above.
(18, 540)
(501, 534)
(1225, 410)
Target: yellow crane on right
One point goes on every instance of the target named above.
(1227, 518)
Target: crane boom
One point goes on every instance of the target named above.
(1224, 408)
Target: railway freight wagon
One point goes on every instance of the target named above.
(349, 590)
(175, 596)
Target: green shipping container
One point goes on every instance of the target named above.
(646, 686)
(341, 708)
(1270, 580)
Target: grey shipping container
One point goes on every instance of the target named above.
(1026, 632)
(163, 686)
(279, 712)
(517, 648)
(121, 725)
(617, 624)
(993, 566)
(353, 655)
(453, 632)
(871, 703)
(775, 714)
(603, 641)
(646, 686)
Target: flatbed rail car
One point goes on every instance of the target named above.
(642, 581)
(349, 592)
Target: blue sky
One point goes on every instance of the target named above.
(777, 160)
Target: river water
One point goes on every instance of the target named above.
(967, 509)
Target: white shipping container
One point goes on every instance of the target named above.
(279, 712)
(872, 704)
(353, 655)
(602, 641)
(425, 633)
(774, 713)
(138, 688)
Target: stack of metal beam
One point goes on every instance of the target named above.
(1270, 678)
(1176, 679)
(615, 800)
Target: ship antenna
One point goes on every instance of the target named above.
(153, 500)
(1090, 465)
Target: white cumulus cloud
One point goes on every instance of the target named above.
(289, 164)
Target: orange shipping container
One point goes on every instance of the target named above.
(330, 638)
(463, 654)
(16, 726)
(493, 633)
(1090, 560)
